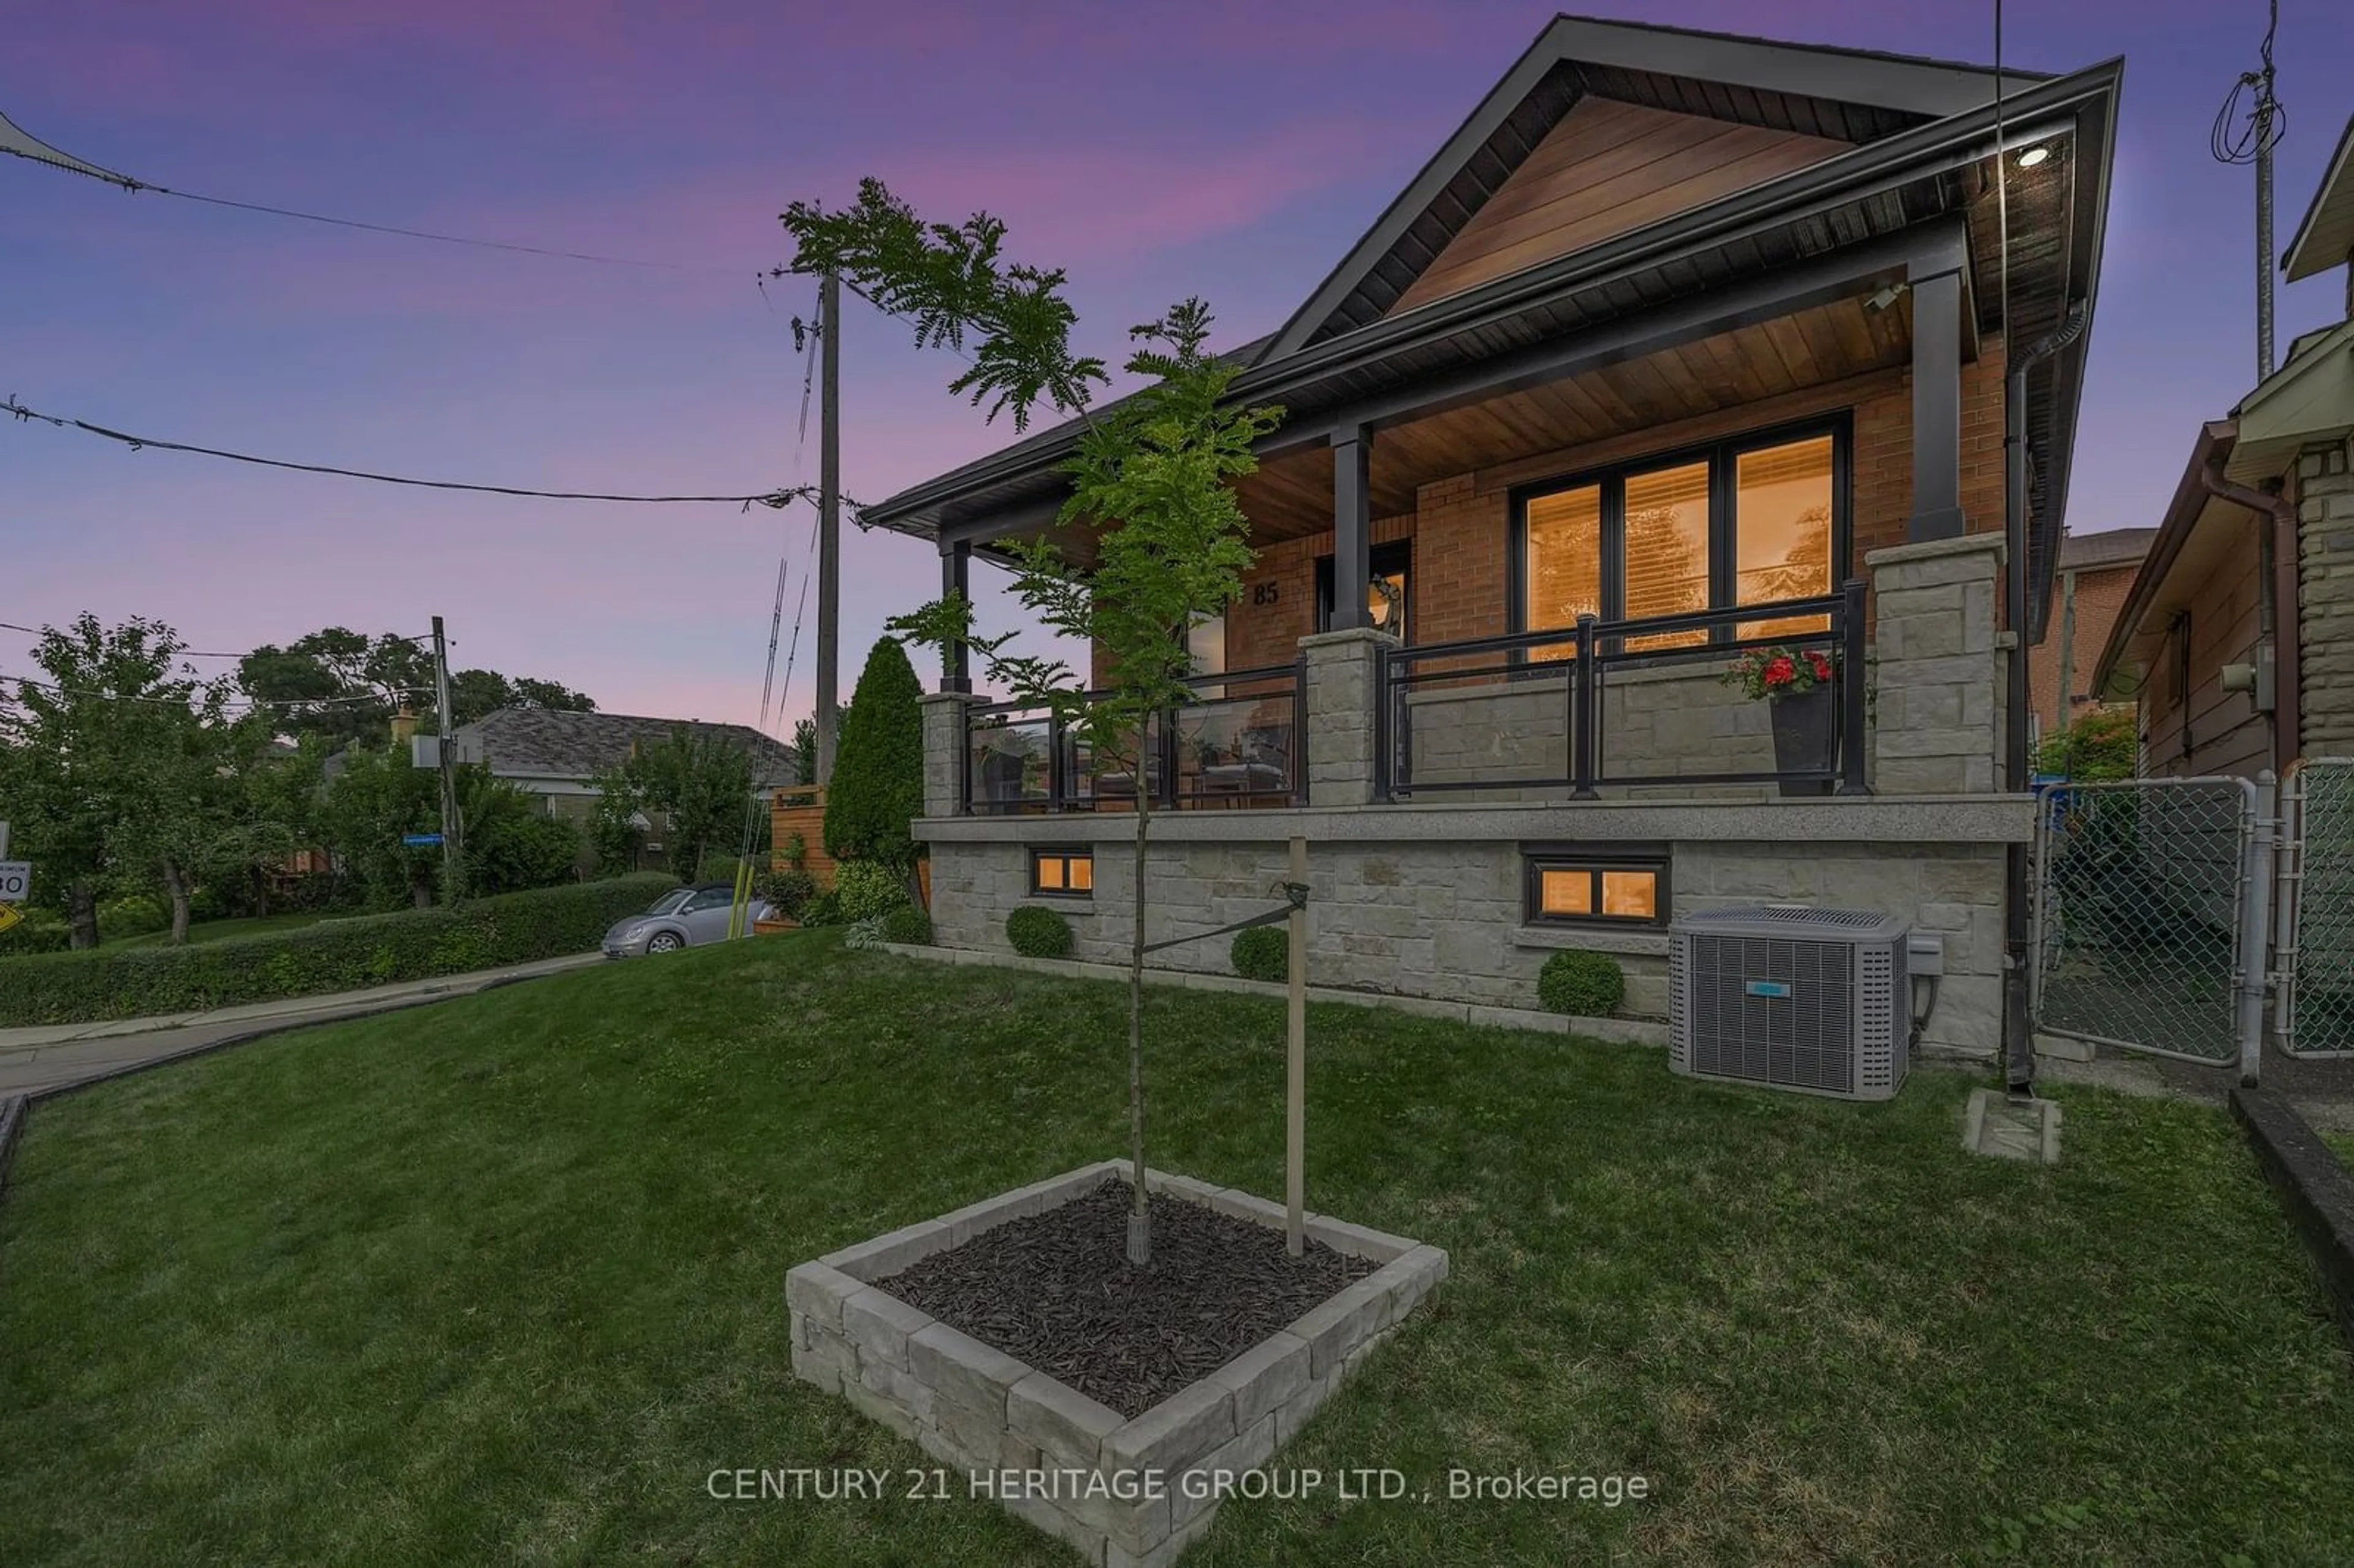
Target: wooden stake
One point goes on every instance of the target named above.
(1295, 1095)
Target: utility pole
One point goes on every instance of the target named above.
(829, 518)
(445, 750)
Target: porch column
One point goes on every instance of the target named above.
(1352, 525)
(945, 713)
(1939, 670)
(1936, 408)
(1343, 671)
(956, 579)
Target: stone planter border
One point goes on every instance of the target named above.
(1124, 1493)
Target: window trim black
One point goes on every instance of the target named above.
(1538, 859)
(1066, 853)
(1722, 456)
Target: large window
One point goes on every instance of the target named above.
(1759, 520)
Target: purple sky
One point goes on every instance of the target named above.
(1152, 150)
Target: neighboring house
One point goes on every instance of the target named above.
(557, 753)
(2095, 575)
(1699, 338)
(2238, 640)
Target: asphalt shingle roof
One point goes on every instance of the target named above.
(553, 744)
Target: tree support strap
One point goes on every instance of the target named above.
(1295, 895)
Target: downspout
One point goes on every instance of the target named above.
(2277, 607)
(2018, 1039)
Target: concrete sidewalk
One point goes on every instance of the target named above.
(52, 1057)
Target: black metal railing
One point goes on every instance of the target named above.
(1582, 658)
(1243, 742)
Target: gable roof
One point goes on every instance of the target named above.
(1854, 95)
(2326, 234)
(551, 743)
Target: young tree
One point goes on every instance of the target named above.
(802, 750)
(1152, 478)
(878, 770)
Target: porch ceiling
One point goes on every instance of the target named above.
(1291, 495)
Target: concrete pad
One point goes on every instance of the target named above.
(1995, 1124)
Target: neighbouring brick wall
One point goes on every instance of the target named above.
(2100, 594)
(1442, 917)
(2326, 598)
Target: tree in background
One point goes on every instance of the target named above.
(375, 798)
(1157, 469)
(698, 781)
(878, 790)
(2104, 743)
(512, 843)
(802, 752)
(77, 748)
(346, 687)
(185, 770)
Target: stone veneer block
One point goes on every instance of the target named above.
(969, 1406)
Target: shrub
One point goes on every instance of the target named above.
(877, 789)
(789, 892)
(1038, 933)
(40, 931)
(908, 926)
(2104, 744)
(1262, 953)
(868, 888)
(825, 909)
(330, 956)
(1582, 984)
(134, 915)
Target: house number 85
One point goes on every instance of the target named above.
(1265, 593)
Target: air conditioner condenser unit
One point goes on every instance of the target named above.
(1792, 997)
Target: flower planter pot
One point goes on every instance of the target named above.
(770, 927)
(1806, 737)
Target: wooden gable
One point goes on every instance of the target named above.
(1606, 168)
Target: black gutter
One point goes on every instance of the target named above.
(1868, 171)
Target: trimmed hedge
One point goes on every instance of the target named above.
(1262, 953)
(1582, 984)
(332, 955)
(1037, 933)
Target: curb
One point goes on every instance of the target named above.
(2313, 1186)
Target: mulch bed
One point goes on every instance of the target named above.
(1055, 1290)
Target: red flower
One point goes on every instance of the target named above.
(1822, 666)
(1779, 671)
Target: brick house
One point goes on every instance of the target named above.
(2096, 573)
(2237, 637)
(1682, 344)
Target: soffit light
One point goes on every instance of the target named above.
(2035, 156)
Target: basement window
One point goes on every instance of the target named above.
(1063, 873)
(1570, 886)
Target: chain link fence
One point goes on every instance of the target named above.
(2316, 957)
(2144, 890)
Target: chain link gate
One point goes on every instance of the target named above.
(2316, 957)
(2152, 897)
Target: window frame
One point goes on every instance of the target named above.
(1596, 859)
(1066, 853)
(1722, 456)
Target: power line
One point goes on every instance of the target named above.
(775, 498)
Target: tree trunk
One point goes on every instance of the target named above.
(175, 883)
(1139, 1218)
(81, 910)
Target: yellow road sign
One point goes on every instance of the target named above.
(9, 916)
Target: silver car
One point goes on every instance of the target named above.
(683, 917)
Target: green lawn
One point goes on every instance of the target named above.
(500, 1282)
(214, 930)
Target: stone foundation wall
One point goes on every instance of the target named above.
(1444, 917)
(2325, 511)
(1124, 1493)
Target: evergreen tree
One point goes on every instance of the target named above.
(878, 790)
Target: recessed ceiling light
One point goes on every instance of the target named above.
(2034, 156)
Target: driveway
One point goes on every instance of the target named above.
(53, 1056)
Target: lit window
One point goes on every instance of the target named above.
(1071, 873)
(1607, 889)
(1782, 504)
(1745, 522)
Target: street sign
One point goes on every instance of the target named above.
(15, 880)
(420, 840)
(9, 916)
